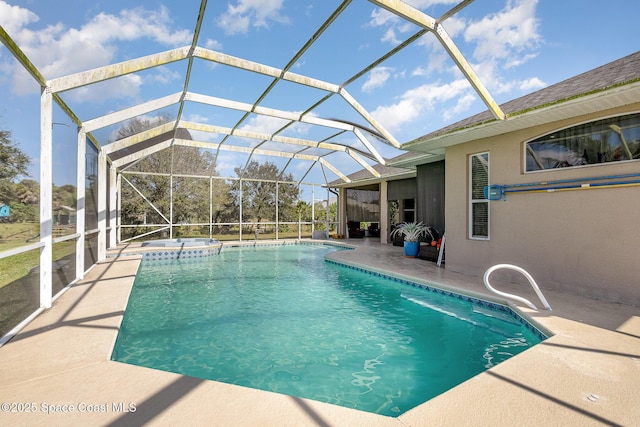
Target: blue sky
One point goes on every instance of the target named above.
(515, 46)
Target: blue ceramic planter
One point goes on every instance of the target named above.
(411, 249)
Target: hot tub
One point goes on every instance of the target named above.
(178, 248)
(181, 243)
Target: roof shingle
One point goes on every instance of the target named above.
(621, 71)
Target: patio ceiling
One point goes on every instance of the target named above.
(356, 135)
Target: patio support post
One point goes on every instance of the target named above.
(210, 207)
(171, 217)
(299, 216)
(102, 206)
(113, 205)
(241, 209)
(384, 213)
(118, 208)
(81, 198)
(326, 223)
(313, 209)
(342, 211)
(277, 210)
(46, 197)
(171, 201)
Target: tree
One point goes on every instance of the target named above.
(259, 197)
(13, 163)
(224, 206)
(321, 211)
(134, 209)
(303, 211)
(64, 196)
(24, 207)
(27, 191)
(190, 194)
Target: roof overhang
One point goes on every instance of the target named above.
(409, 173)
(417, 158)
(589, 103)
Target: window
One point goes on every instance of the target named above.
(608, 140)
(478, 206)
(409, 208)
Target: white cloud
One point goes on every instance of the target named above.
(251, 13)
(377, 78)
(499, 41)
(133, 24)
(518, 61)
(531, 84)
(163, 75)
(213, 44)
(394, 25)
(203, 136)
(428, 3)
(390, 36)
(381, 17)
(455, 26)
(438, 61)
(227, 162)
(500, 35)
(415, 102)
(463, 105)
(420, 71)
(13, 18)
(57, 51)
(494, 81)
(127, 86)
(300, 128)
(267, 124)
(262, 123)
(198, 118)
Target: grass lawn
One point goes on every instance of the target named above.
(15, 235)
(22, 234)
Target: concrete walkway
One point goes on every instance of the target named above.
(588, 373)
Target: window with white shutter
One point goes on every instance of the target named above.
(478, 205)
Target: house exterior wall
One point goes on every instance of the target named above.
(584, 242)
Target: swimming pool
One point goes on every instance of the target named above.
(282, 319)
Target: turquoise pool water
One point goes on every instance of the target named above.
(280, 318)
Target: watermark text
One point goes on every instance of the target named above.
(66, 408)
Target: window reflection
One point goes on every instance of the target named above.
(603, 141)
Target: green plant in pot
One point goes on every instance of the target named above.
(411, 232)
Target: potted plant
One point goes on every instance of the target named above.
(411, 232)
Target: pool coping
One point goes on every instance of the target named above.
(584, 374)
(181, 252)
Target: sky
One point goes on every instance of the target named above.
(515, 47)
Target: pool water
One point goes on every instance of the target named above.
(282, 319)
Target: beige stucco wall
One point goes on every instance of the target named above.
(583, 241)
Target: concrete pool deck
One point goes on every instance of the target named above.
(588, 373)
